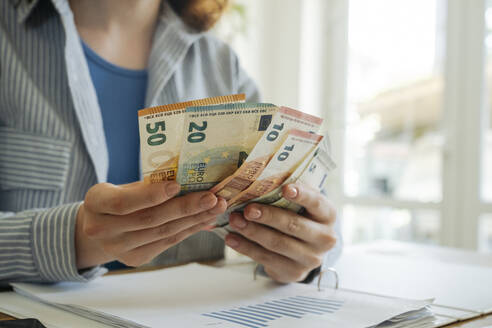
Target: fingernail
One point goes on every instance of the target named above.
(239, 222)
(221, 202)
(231, 241)
(254, 213)
(172, 189)
(291, 192)
(208, 201)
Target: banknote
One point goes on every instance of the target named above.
(288, 157)
(314, 172)
(285, 120)
(161, 129)
(318, 163)
(217, 139)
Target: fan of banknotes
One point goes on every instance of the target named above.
(242, 152)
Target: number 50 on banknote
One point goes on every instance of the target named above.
(161, 131)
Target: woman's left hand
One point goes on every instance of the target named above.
(287, 244)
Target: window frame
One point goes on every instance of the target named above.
(464, 123)
(463, 130)
(317, 52)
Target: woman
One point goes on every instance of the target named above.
(73, 74)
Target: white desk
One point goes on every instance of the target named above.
(393, 249)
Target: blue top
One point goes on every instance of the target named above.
(121, 93)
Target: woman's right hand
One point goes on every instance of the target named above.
(134, 223)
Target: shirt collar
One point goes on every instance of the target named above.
(24, 8)
(172, 40)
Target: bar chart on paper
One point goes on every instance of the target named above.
(263, 314)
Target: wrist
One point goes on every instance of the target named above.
(88, 252)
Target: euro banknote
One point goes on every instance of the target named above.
(285, 120)
(217, 139)
(289, 156)
(313, 172)
(161, 130)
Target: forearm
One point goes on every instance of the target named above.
(38, 245)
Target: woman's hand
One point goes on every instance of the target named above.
(134, 223)
(287, 244)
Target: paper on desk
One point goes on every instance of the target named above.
(199, 296)
(21, 307)
(451, 284)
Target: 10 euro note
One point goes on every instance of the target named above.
(318, 162)
(217, 139)
(313, 172)
(290, 155)
(285, 120)
(161, 130)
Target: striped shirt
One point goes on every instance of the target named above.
(52, 143)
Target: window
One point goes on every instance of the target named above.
(485, 227)
(403, 89)
(415, 133)
(393, 136)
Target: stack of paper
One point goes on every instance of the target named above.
(200, 296)
(452, 284)
(460, 282)
(423, 318)
(21, 307)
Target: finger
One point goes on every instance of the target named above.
(312, 200)
(100, 226)
(146, 253)
(280, 268)
(131, 184)
(112, 199)
(220, 207)
(276, 241)
(286, 221)
(133, 240)
(175, 208)
(130, 240)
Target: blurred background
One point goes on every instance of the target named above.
(404, 88)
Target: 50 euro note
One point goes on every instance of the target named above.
(285, 120)
(313, 171)
(161, 130)
(289, 156)
(217, 140)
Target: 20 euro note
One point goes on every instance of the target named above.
(314, 172)
(285, 120)
(161, 130)
(217, 140)
(290, 155)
